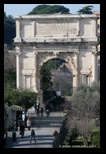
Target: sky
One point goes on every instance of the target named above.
(23, 9)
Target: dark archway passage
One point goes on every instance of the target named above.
(56, 81)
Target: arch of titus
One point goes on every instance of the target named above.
(40, 38)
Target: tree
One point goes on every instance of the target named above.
(85, 108)
(48, 9)
(10, 75)
(46, 80)
(26, 98)
(47, 75)
(20, 97)
(9, 60)
(86, 10)
(8, 92)
(9, 29)
(9, 69)
(96, 138)
(62, 81)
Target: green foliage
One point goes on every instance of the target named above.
(96, 130)
(46, 79)
(68, 93)
(73, 138)
(46, 73)
(96, 86)
(87, 90)
(9, 29)
(96, 138)
(14, 96)
(9, 84)
(8, 92)
(48, 9)
(78, 140)
(51, 65)
(86, 10)
(89, 95)
(24, 98)
(72, 135)
(85, 109)
(10, 75)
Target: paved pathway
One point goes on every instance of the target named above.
(44, 139)
(44, 127)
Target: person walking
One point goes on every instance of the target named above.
(41, 107)
(22, 129)
(55, 134)
(5, 138)
(41, 111)
(37, 107)
(32, 135)
(28, 124)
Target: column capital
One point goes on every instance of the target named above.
(35, 53)
(94, 52)
(76, 52)
(18, 51)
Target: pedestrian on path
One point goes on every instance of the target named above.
(28, 124)
(22, 129)
(37, 107)
(5, 138)
(41, 107)
(55, 134)
(32, 135)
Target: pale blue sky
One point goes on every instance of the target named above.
(23, 9)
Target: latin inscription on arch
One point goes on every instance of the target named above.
(59, 28)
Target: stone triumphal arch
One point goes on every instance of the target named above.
(40, 38)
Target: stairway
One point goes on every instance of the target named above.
(45, 125)
(53, 120)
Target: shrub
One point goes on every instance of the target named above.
(96, 139)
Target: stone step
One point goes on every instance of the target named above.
(45, 121)
(44, 128)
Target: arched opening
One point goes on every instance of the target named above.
(56, 81)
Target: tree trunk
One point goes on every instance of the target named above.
(85, 141)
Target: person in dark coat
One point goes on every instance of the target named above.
(22, 129)
(32, 135)
(37, 107)
(5, 138)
